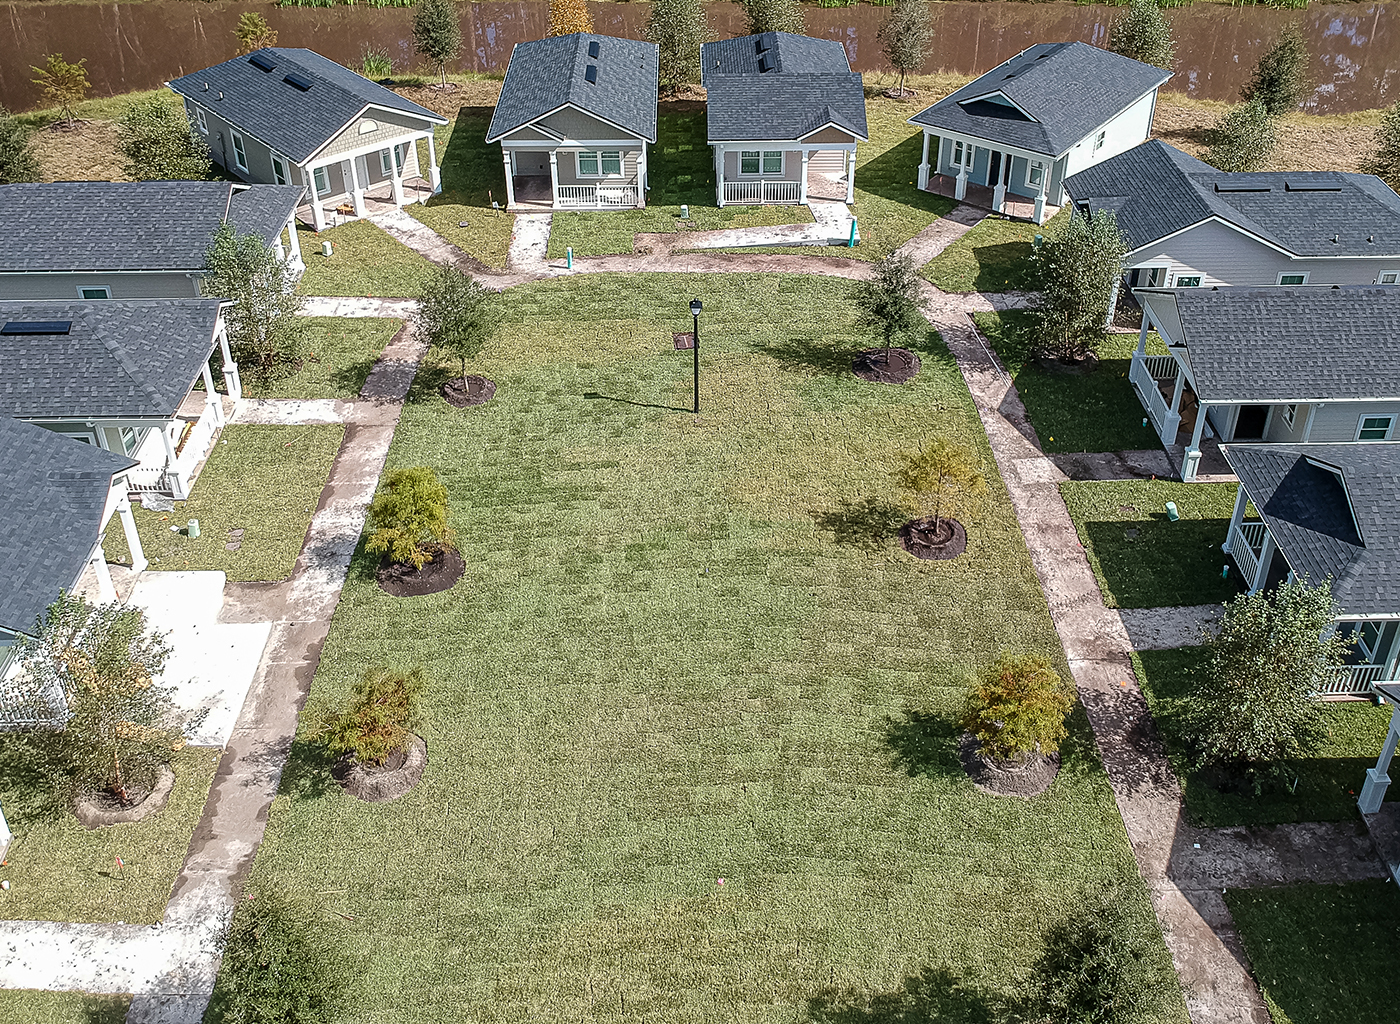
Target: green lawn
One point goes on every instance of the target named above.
(263, 480)
(60, 870)
(993, 257)
(683, 652)
(1322, 953)
(340, 353)
(366, 261)
(1319, 786)
(1140, 557)
(472, 176)
(1073, 411)
(35, 1007)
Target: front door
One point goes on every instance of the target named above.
(994, 168)
(1250, 424)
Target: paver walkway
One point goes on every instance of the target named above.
(413, 233)
(529, 242)
(942, 233)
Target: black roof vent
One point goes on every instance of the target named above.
(764, 64)
(1242, 187)
(262, 62)
(298, 81)
(593, 49)
(37, 327)
(590, 73)
(1308, 186)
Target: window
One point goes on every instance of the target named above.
(772, 161)
(279, 171)
(386, 161)
(368, 127)
(1192, 281)
(1374, 428)
(240, 156)
(588, 165)
(320, 182)
(958, 154)
(130, 440)
(603, 163)
(749, 161)
(1290, 413)
(769, 161)
(612, 161)
(98, 291)
(1293, 279)
(1035, 174)
(1368, 639)
(1389, 278)
(199, 120)
(1098, 140)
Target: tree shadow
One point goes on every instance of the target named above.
(932, 995)
(1002, 267)
(103, 1009)
(922, 744)
(593, 395)
(351, 378)
(798, 355)
(869, 523)
(428, 381)
(307, 773)
(37, 785)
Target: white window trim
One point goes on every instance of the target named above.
(280, 171)
(761, 173)
(1361, 425)
(958, 149)
(237, 144)
(1290, 415)
(368, 127)
(386, 164)
(1032, 165)
(321, 172)
(578, 165)
(1188, 277)
(1380, 278)
(1303, 274)
(1360, 634)
(1100, 139)
(199, 120)
(92, 288)
(1147, 273)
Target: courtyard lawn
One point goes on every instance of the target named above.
(1142, 559)
(36, 1007)
(1094, 411)
(472, 177)
(691, 712)
(340, 352)
(366, 261)
(59, 870)
(263, 480)
(1320, 952)
(993, 257)
(1319, 786)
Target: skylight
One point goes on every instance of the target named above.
(1246, 187)
(37, 327)
(298, 81)
(764, 64)
(590, 73)
(593, 49)
(262, 62)
(1310, 186)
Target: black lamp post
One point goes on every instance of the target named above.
(695, 308)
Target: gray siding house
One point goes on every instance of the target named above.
(292, 117)
(120, 375)
(574, 119)
(1297, 365)
(131, 240)
(1025, 126)
(1189, 225)
(783, 115)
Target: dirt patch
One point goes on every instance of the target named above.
(871, 364)
(473, 389)
(96, 810)
(477, 92)
(934, 543)
(440, 574)
(1305, 142)
(86, 151)
(378, 783)
(1030, 778)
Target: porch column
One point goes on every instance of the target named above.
(1192, 458)
(1266, 555)
(133, 539)
(851, 176)
(318, 215)
(719, 175)
(1173, 417)
(279, 249)
(1237, 517)
(396, 176)
(1113, 300)
(357, 192)
(1378, 778)
(642, 176)
(211, 397)
(5, 835)
(923, 164)
(554, 178)
(510, 177)
(802, 192)
(960, 184)
(435, 176)
(999, 189)
(294, 243)
(105, 591)
(1142, 334)
(172, 465)
(1042, 198)
(232, 381)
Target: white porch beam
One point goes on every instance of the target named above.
(357, 191)
(510, 177)
(1378, 778)
(133, 539)
(1236, 517)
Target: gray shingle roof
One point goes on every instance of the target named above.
(53, 491)
(122, 358)
(1306, 509)
(293, 121)
(545, 74)
(1311, 343)
(1156, 190)
(779, 86)
(135, 225)
(1066, 91)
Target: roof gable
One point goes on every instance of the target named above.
(783, 107)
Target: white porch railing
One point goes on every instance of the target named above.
(176, 478)
(623, 196)
(1246, 546)
(1353, 681)
(1145, 372)
(759, 193)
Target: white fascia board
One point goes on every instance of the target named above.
(1247, 234)
(1010, 102)
(568, 106)
(840, 127)
(335, 134)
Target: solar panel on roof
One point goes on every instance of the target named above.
(590, 73)
(262, 62)
(299, 81)
(593, 49)
(37, 327)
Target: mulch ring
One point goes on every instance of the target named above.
(1030, 778)
(473, 389)
(441, 573)
(378, 783)
(96, 810)
(922, 540)
(870, 364)
(1073, 367)
(894, 94)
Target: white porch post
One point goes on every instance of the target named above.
(1113, 300)
(172, 466)
(1192, 458)
(5, 835)
(1266, 555)
(105, 591)
(318, 215)
(1173, 420)
(435, 176)
(999, 189)
(923, 164)
(510, 177)
(1043, 197)
(357, 193)
(719, 175)
(851, 175)
(802, 192)
(1236, 517)
(396, 176)
(133, 539)
(554, 178)
(279, 249)
(294, 243)
(232, 381)
(1378, 778)
(211, 397)
(642, 176)
(960, 185)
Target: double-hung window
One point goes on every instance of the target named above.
(320, 181)
(386, 163)
(240, 155)
(1290, 415)
(1293, 279)
(1099, 139)
(279, 171)
(958, 153)
(602, 163)
(200, 121)
(767, 161)
(1375, 428)
(1035, 173)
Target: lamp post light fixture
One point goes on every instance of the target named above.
(695, 308)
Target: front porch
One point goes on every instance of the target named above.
(338, 187)
(1034, 175)
(984, 198)
(783, 173)
(539, 178)
(1164, 388)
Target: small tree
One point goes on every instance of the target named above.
(253, 33)
(264, 330)
(1018, 706)
(375, 62)
(904, 37)
(408, 517)
(773, 16)
(569, 16)
(65, 85)
(160, 144)
(1253, 701)
(1078, 268)
(1384, 162)
(678, 28)
(457, 314)
(1243, 139)
(17, 161)
(890, 302)
(1144, 34)
(437, 34)
(90, 671)
(943, 466)
(1280, 79)
(379, 716)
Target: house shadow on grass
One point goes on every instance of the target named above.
(808, 355)
(1002, 267)
(890, 176)
(933, 996)
(869, 524)
(1155, 563)
(921, 743)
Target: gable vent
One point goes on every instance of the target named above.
(593, 49)
(37, 327)
(262, 62)
(298, 81)
(590, 73)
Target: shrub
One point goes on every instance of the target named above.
(1018, 706)
(379, 717)
(905, 35)
(253, 33)
(1384, 162)
(408, 516)
(890, 302)
(1078, 267)
(569, 16)
(159, 143)
(1243, 139)
(375, 63)
(1280, 79)
(17, 161)
(1144, 34)
(678, 28)
(942, 466)
(264, 331)
(437, 34)
(457, 314)
(773, 16)
(65, 85)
